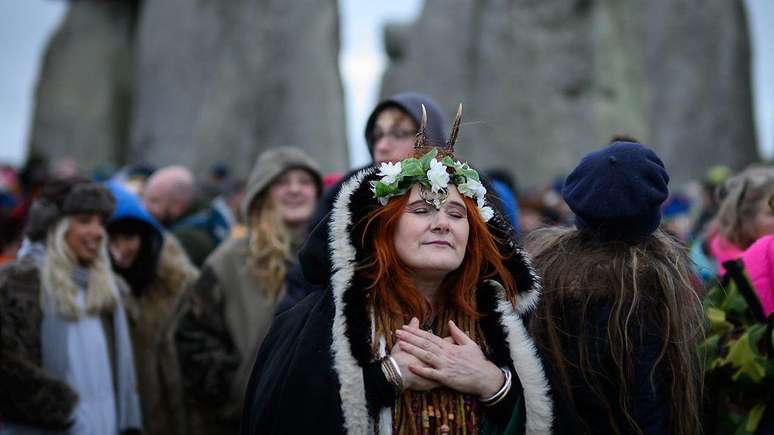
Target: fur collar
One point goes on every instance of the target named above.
(351, 330)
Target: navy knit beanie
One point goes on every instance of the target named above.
(616, 192)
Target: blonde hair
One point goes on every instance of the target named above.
(57, 276)
(741, 198)
(270, 242)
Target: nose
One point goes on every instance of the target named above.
(440, 222)
(294, 186)
(383, 144)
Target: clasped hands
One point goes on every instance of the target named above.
(427, 361)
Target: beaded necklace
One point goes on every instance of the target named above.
(441, 410)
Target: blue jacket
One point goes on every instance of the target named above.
(130, 216)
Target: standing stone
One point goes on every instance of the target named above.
(545, 82)
(83, 94)
(225, 80)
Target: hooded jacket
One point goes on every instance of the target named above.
(163, 273)
(316, 362)
(312, 273)
(227, 314)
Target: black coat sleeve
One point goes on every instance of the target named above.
(293, 388)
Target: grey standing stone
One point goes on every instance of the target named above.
(225, 80)
(545, 82)
(83, 94)
(192, 82)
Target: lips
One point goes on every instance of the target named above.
(91, 245)
(439, 243)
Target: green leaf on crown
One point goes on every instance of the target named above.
(427, 157)
(412, 168)
(381, 189)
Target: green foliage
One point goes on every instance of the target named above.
(739, 378)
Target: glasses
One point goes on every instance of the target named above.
(395, 134)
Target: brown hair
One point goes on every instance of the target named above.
(647, 284)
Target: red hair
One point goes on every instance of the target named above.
(393, 292)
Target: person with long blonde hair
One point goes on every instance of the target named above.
(229, 309)
(67, 360)
(420, 330)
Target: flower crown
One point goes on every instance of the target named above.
(431, 174)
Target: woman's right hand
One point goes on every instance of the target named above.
(411, 381)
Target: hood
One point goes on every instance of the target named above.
(501, 321)
(129, 206)
(270, 165)
(131, 216)
(411, 103)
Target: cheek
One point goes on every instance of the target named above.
(403, 237)
(310, 193)
(276, 193)
(133, 247)
(462, 232)
(765, 223)
(405, 147)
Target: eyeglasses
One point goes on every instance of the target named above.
(397, 134)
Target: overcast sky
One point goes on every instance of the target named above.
(25, 26)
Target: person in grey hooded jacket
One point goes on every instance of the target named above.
(390, 135)
(226, 314)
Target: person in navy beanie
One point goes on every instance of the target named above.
(619, 317)
(617, 192)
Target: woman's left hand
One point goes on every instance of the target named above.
(456, 362)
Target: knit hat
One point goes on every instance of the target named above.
(271, 164)
(617, 192)
(63, 197)
(411, 103)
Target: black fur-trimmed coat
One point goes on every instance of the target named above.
(310, 374)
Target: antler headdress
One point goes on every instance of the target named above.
(432, 172)
(448, 147)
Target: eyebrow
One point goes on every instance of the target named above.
(451, 203)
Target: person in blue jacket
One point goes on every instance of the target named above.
(158, 272)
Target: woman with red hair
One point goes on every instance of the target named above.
(420, 330)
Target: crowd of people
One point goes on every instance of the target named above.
(418, 294)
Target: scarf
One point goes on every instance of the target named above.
(77, 352)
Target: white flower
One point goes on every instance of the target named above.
(383, 200)
(389, 172)
(480, 201)
(472, 188)
(437, 175)
(486, 213)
